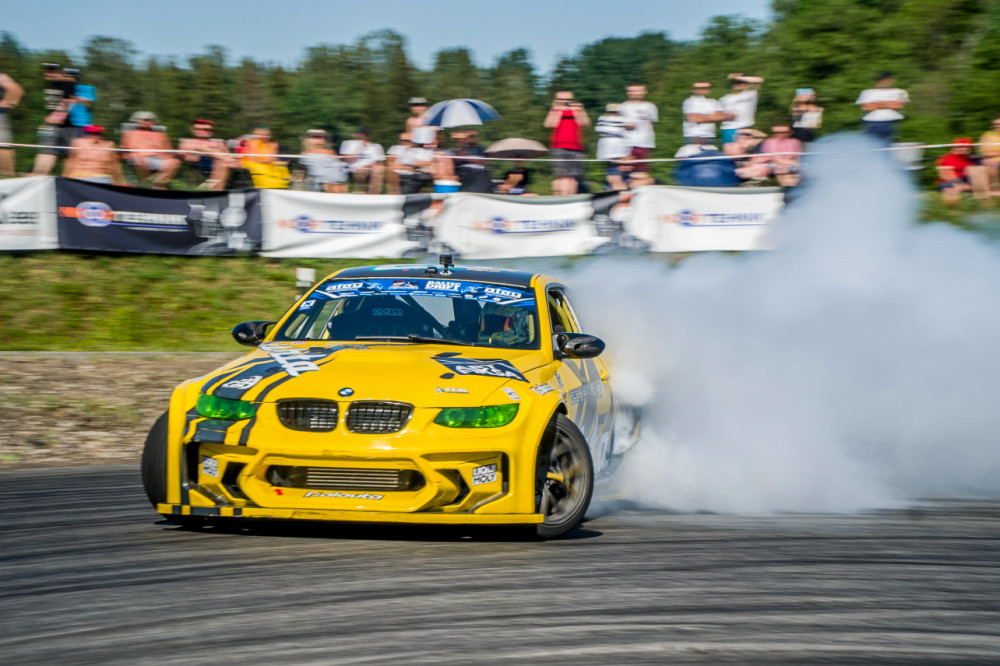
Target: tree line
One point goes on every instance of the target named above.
(946, 53)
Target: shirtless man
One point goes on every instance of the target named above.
(144, 140)
(208, 155)
(92, 158)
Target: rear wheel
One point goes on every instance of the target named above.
(564, 478)
(154, 471)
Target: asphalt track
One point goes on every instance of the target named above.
(90, 577)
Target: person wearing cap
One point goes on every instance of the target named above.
(422, 133)
(640, 115)
(55, 133)
(207, 155)
(149, 150)
(365, 161)
(958, 172)
(883, 106)
(84, 96)
(325, 168)
(739, 106)
(701, 112)
(92, 158)
(742, 149)
(10, 96)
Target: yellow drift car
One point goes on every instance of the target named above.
(400, 394)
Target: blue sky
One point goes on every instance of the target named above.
(278, 31)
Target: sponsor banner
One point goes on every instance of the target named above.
(685, 219)
(318, 224)
(120, 219)
(28, 214)
(483, 226)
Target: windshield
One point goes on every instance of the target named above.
(450, 311)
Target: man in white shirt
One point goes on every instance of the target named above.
(740, 106)
(409, 166)
(639, 116)
(365, 161)
(701, 112)
(883, 107)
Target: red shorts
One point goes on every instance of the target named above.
(641, 154)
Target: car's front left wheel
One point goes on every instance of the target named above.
(154, 470)
(564, 478)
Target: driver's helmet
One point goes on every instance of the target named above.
(505, 325)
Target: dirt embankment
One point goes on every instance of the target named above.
(78, 408)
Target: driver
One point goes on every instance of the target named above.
(505, 325)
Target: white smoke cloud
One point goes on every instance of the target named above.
(855, 366)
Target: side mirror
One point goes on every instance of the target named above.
(578, 345)
(251, 333)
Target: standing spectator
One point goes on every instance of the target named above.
(365, 161)
(55, 132)
(84, 96)
(151, 155)
(93, 159)
(566, 118)
(883, 106)
(261, 159)
(780, 153)
(989, 149)
(701, 112)
(806, 114)
(325, 168)
(958, 172)
(613, 130)
(10, 97)
(468, 163)
(640, 116)
(422, 133)
(207, 155)
(739, 106)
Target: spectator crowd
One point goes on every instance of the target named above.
(722, 146)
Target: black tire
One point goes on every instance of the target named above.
(564, 478)
(154, 471)
(154, 461)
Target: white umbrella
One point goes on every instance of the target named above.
(458, 112)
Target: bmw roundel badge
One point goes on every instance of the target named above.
(344, 392)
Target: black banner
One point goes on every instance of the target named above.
(108, 218)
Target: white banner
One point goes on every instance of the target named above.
(28, 214)
(686, 219)
(484, 226)
(317, 224)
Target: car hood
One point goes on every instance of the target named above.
(426, 375)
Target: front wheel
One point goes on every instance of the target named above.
(154, 471)
(564, 478)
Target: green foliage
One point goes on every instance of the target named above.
(946, 53)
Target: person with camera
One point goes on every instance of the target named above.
(56, 132)
(566, 118)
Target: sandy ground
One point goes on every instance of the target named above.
(78, 408)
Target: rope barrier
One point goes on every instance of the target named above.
(467, 158)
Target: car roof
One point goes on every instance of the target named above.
(474, 273)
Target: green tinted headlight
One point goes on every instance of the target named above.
(225, 409)
(492, 416)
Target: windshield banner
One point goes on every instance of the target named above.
(317, 224)
(484, 226)
(684, 219)
(28, 214)
(108, 218)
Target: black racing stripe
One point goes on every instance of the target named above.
(245, 434)
(225, 376)
(212, 431)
